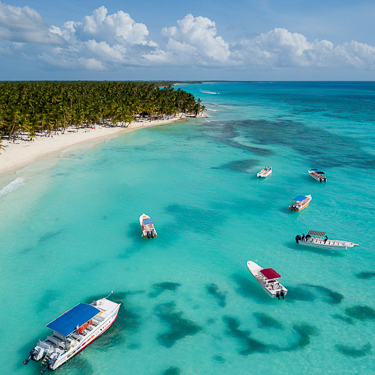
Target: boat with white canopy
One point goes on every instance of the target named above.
(318, 175)
(320, 240)
(147, 225)
(268, 279)
(300, 202)
(73, 331)
(265, 172)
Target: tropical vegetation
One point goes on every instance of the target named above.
(34, 107)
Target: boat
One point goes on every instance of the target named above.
(320, 240)
(147, 225)
(318, 175)
(268, 279)
(265, 172)
(73, 331)
(300, 202)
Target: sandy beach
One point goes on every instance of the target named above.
(21, 153)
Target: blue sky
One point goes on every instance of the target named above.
(187, 40)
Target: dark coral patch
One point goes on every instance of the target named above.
(350, 351)
(218, 358)
(284, 133)
(365, 275)
(239, 165)
(178, 326)
(343, 318)
(159, 288)
(172, 371)
(334, 298)
(299, 294)
(49, 297)
(361, 312)
(305, 331)
(249, 344)
(213, 290)
(49, 236)
(267, 321)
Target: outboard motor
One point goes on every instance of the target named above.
(298, 238)
(148, 234)
(46, 367)
(282, 294)
(278, 295)
(32, 354)
(153, 234)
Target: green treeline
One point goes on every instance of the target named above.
(34, 107)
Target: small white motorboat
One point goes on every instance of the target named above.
(73, 331)
(147, 225)
(300, 202)
(268, 279)
(320, 240)
(265, 172)
(318, 175)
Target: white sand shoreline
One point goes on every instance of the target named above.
(18, 155)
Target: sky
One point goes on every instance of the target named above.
(250, 40)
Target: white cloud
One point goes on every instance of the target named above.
(281, 48)
(196, 37)
(25, 25)
(103, 41)
(117, 28)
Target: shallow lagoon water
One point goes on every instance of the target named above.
(70, 233)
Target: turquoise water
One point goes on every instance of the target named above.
(70, 233)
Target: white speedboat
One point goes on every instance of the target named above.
(318, 175)
(73, 331)
(320, 240)
(300, 202)
(147, 225)
(265, 172)
(268, 279)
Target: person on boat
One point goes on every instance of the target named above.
(325, 238)
(303, 236)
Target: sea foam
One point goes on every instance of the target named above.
(13, 185)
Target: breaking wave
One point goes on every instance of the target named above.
(15, 184)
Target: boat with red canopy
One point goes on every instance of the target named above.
(268, 279)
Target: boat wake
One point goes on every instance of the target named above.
(15, 184)
(209, 92)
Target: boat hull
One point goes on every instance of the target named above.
(263, 173)
(317, 177)
(147, 228)
(255, 271)
(292, 207)
(100, 329)
(329, 245)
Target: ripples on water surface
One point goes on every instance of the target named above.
(70, 234)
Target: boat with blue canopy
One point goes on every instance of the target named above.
(318, 175)
(300, 202)
(147, 225)
(73, 331)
